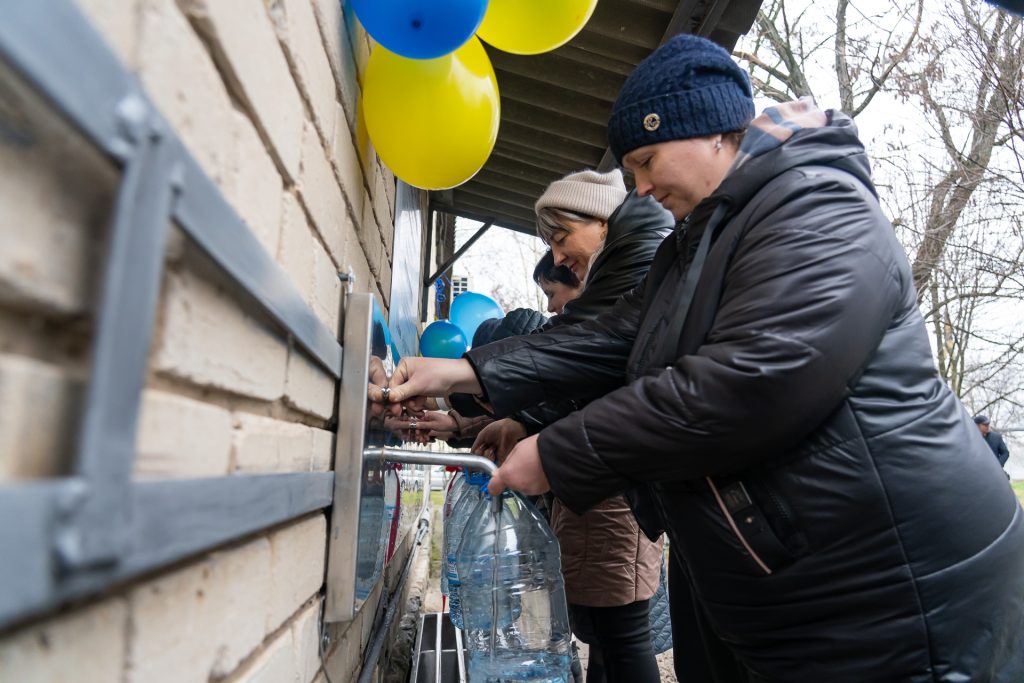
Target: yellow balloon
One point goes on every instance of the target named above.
(432, 121)
(529, 27)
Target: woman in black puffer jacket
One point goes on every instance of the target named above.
(771, 384)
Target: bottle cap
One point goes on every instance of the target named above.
(478, 479)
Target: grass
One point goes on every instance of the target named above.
(1018, 488)
(436, 500)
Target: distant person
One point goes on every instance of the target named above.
(993, 438)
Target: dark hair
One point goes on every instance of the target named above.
(547, 270)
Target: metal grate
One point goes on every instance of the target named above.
(439, 656)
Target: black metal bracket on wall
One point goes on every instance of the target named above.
(450, 261)
(446, 265)
(66, 538)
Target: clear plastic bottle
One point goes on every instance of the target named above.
(456, 524)
(455, 490)
(513, 597)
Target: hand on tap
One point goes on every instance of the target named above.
(417, 379)
(377, 382)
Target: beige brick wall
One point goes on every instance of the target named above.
(264, 95)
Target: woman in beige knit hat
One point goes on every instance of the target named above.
(572, 216)
(607, 238)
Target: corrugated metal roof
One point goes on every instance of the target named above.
(555, 106)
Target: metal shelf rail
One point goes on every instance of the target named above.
(65, 538)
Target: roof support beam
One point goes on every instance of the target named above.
(679, 23)
(461, 250)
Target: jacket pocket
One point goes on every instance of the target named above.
(760, 522)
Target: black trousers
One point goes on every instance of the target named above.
(698, 655)
(619, 640)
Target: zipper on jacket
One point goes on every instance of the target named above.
(779, 506)
(735, 529)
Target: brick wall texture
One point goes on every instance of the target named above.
(264, 95)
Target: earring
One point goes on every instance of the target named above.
(718, 144)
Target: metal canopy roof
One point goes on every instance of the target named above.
(555, 106)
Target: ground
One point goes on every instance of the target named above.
(1018, 488)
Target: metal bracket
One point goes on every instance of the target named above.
(68, 538)
(349, 278)
(93, 529)
(443, 268)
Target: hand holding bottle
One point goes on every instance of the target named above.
(522, 471)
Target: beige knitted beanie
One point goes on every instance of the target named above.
(587, 192)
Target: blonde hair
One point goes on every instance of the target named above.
(550, 220)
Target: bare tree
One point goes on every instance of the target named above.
(989, 43)
(866, 47)
(973, 347)
(951, 172)
(501, 265)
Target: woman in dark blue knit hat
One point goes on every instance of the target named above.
(771, 390)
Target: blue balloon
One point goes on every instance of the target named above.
(420, 29)
(441, 339)
(469, 309)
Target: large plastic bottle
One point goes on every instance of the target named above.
(514, 613)
(456, 489)
(456, 524)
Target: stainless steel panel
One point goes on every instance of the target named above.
(376, 502)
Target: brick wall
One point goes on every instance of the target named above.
(264, 95)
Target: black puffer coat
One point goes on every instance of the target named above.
(836, 512)
(635, 230)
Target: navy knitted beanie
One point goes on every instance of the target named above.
(689, 87)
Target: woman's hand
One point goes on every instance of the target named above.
(416, 379)
(522, 471)
(434, 422)
(378, 379)
(496, 440)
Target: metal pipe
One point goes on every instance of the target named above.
(475, 462)
(391, 454)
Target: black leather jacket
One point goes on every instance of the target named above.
(635, 230)
(837, 514)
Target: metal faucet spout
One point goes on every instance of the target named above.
(391, 454)
(476, 462)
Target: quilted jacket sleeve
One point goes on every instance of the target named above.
(566, 362)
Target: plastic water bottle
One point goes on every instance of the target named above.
(456, 524)
(456, 489)
(514, 612)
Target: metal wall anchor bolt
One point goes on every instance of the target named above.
(349, 278)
